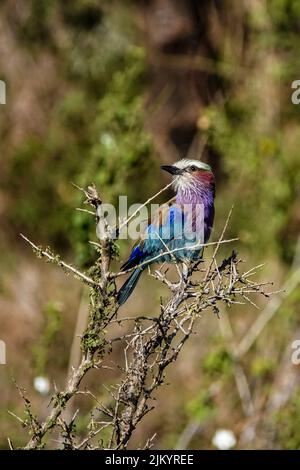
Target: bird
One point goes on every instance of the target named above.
(176, 231)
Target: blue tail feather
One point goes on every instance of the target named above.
(128, 286)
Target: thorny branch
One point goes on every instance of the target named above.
(150, 343)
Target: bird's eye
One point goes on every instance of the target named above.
(193, 168)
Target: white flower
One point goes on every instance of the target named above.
(41, 385)
(107, 140)
(224, 439)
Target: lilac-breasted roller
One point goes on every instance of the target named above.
(176, 231)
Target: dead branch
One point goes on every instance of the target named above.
(151, 342)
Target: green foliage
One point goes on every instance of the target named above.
(288, 425)
(255, 133)
(52, 325)
(262, 367)
(122, 150)
(201, 408)
(263, 169)
(217, 362)
(95, 123)
(101, 308)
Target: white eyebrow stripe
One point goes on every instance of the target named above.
(185, 162)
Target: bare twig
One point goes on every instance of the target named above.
(56, 260)
(126, 222)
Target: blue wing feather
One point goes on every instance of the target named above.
(164, 232)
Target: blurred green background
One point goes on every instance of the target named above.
(105, 92)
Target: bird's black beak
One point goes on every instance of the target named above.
(171, 169)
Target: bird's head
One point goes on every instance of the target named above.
(189, 174)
